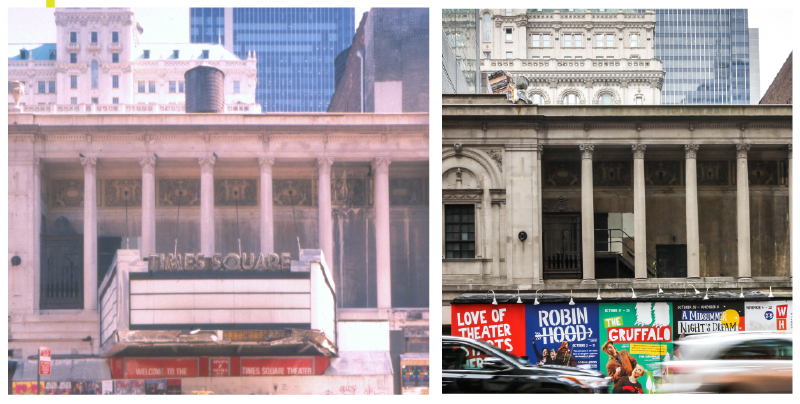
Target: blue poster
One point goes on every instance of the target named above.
(560, 334)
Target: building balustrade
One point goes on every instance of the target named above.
(124, 108)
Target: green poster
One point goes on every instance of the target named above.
(638, 336)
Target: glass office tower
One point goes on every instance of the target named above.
(295, 49)
(706, 55)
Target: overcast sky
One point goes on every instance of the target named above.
(170, 25)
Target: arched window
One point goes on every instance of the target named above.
(487, 27)
(94, 74)
(536, 98)
(607, 99)
(570, 99)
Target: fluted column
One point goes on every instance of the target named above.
(148, 205)
(743, 210)
(380, 169)
(587, 211)
(207, 205)
(639, 215)
(89, 233)
(325, 214)
(692, 216)
(265, 218)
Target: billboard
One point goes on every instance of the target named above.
(774, 315)
(639, 336)
(708, 317)
(500, 325)
(560, 334)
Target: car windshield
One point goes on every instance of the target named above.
(505, 354)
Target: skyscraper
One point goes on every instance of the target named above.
(295, 49)
(706, 54)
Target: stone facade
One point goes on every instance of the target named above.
(780, 91)
(354, 186)
(665, 181)
(106, 45)
(597, 57)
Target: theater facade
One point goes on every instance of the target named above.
(224, 253)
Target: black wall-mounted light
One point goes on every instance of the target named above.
(16, 260)
(522, 236)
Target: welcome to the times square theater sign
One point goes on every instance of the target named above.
(218, 262)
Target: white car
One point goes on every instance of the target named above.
(740, 362)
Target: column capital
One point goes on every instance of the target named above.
(691, 150)
(741, 150)
(638, 150)
(207, 164)
(587, 149)
(540, 150)
(148, 164)
(381, 164)
(790, 150)
(89, 164)
(266, 164)
(324, 164)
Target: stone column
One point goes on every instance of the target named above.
(791, 271)
(541, 208)
(587, 211)
(148, 205)
(486, 242)
(325, 213)
(380, 169)
(743, 210)
(692, 216)
(536, 235)
(265, 218)
(36, 200)
(207, 205)
(89, 233)
(639, 215)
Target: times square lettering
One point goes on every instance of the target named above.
(218, 262)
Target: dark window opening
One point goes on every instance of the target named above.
(459, 231)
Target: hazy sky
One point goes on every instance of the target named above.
(169, 25)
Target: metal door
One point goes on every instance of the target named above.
(61, 282)
(561, 246)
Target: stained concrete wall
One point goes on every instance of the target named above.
(353, 385)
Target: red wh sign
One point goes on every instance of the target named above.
(44, 361)
(782, 309)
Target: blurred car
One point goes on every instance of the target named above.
(740, 362)
(473, 366)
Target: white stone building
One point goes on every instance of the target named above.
(98, 65)
(580, 57)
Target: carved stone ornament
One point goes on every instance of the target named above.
(232, 192)
(789, 149)
(266, 164)
(458, 148)
(662, 173)
(561, 174)
(148, 164)
(540, 149)
(348, 192)
(324, 164)
(638, 150)
(207, 164)
(587, 149)
(742, 149)
(66, 193)
(691, 150)
(122, 192)
(172, 191)
(286, 191)
(380, 165)
(497, 156)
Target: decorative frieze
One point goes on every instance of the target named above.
(288, 191)
(712, 173)
(232, 192)
(497, 156)
(122, 193)
(662, 173)
(170, 191)
(408, 191)
(66, 193)
(612, 173)
(763, 172)
(348, 192)
(561, 174)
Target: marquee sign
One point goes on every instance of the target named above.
(219, 262)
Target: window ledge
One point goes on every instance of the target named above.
(466, 260)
